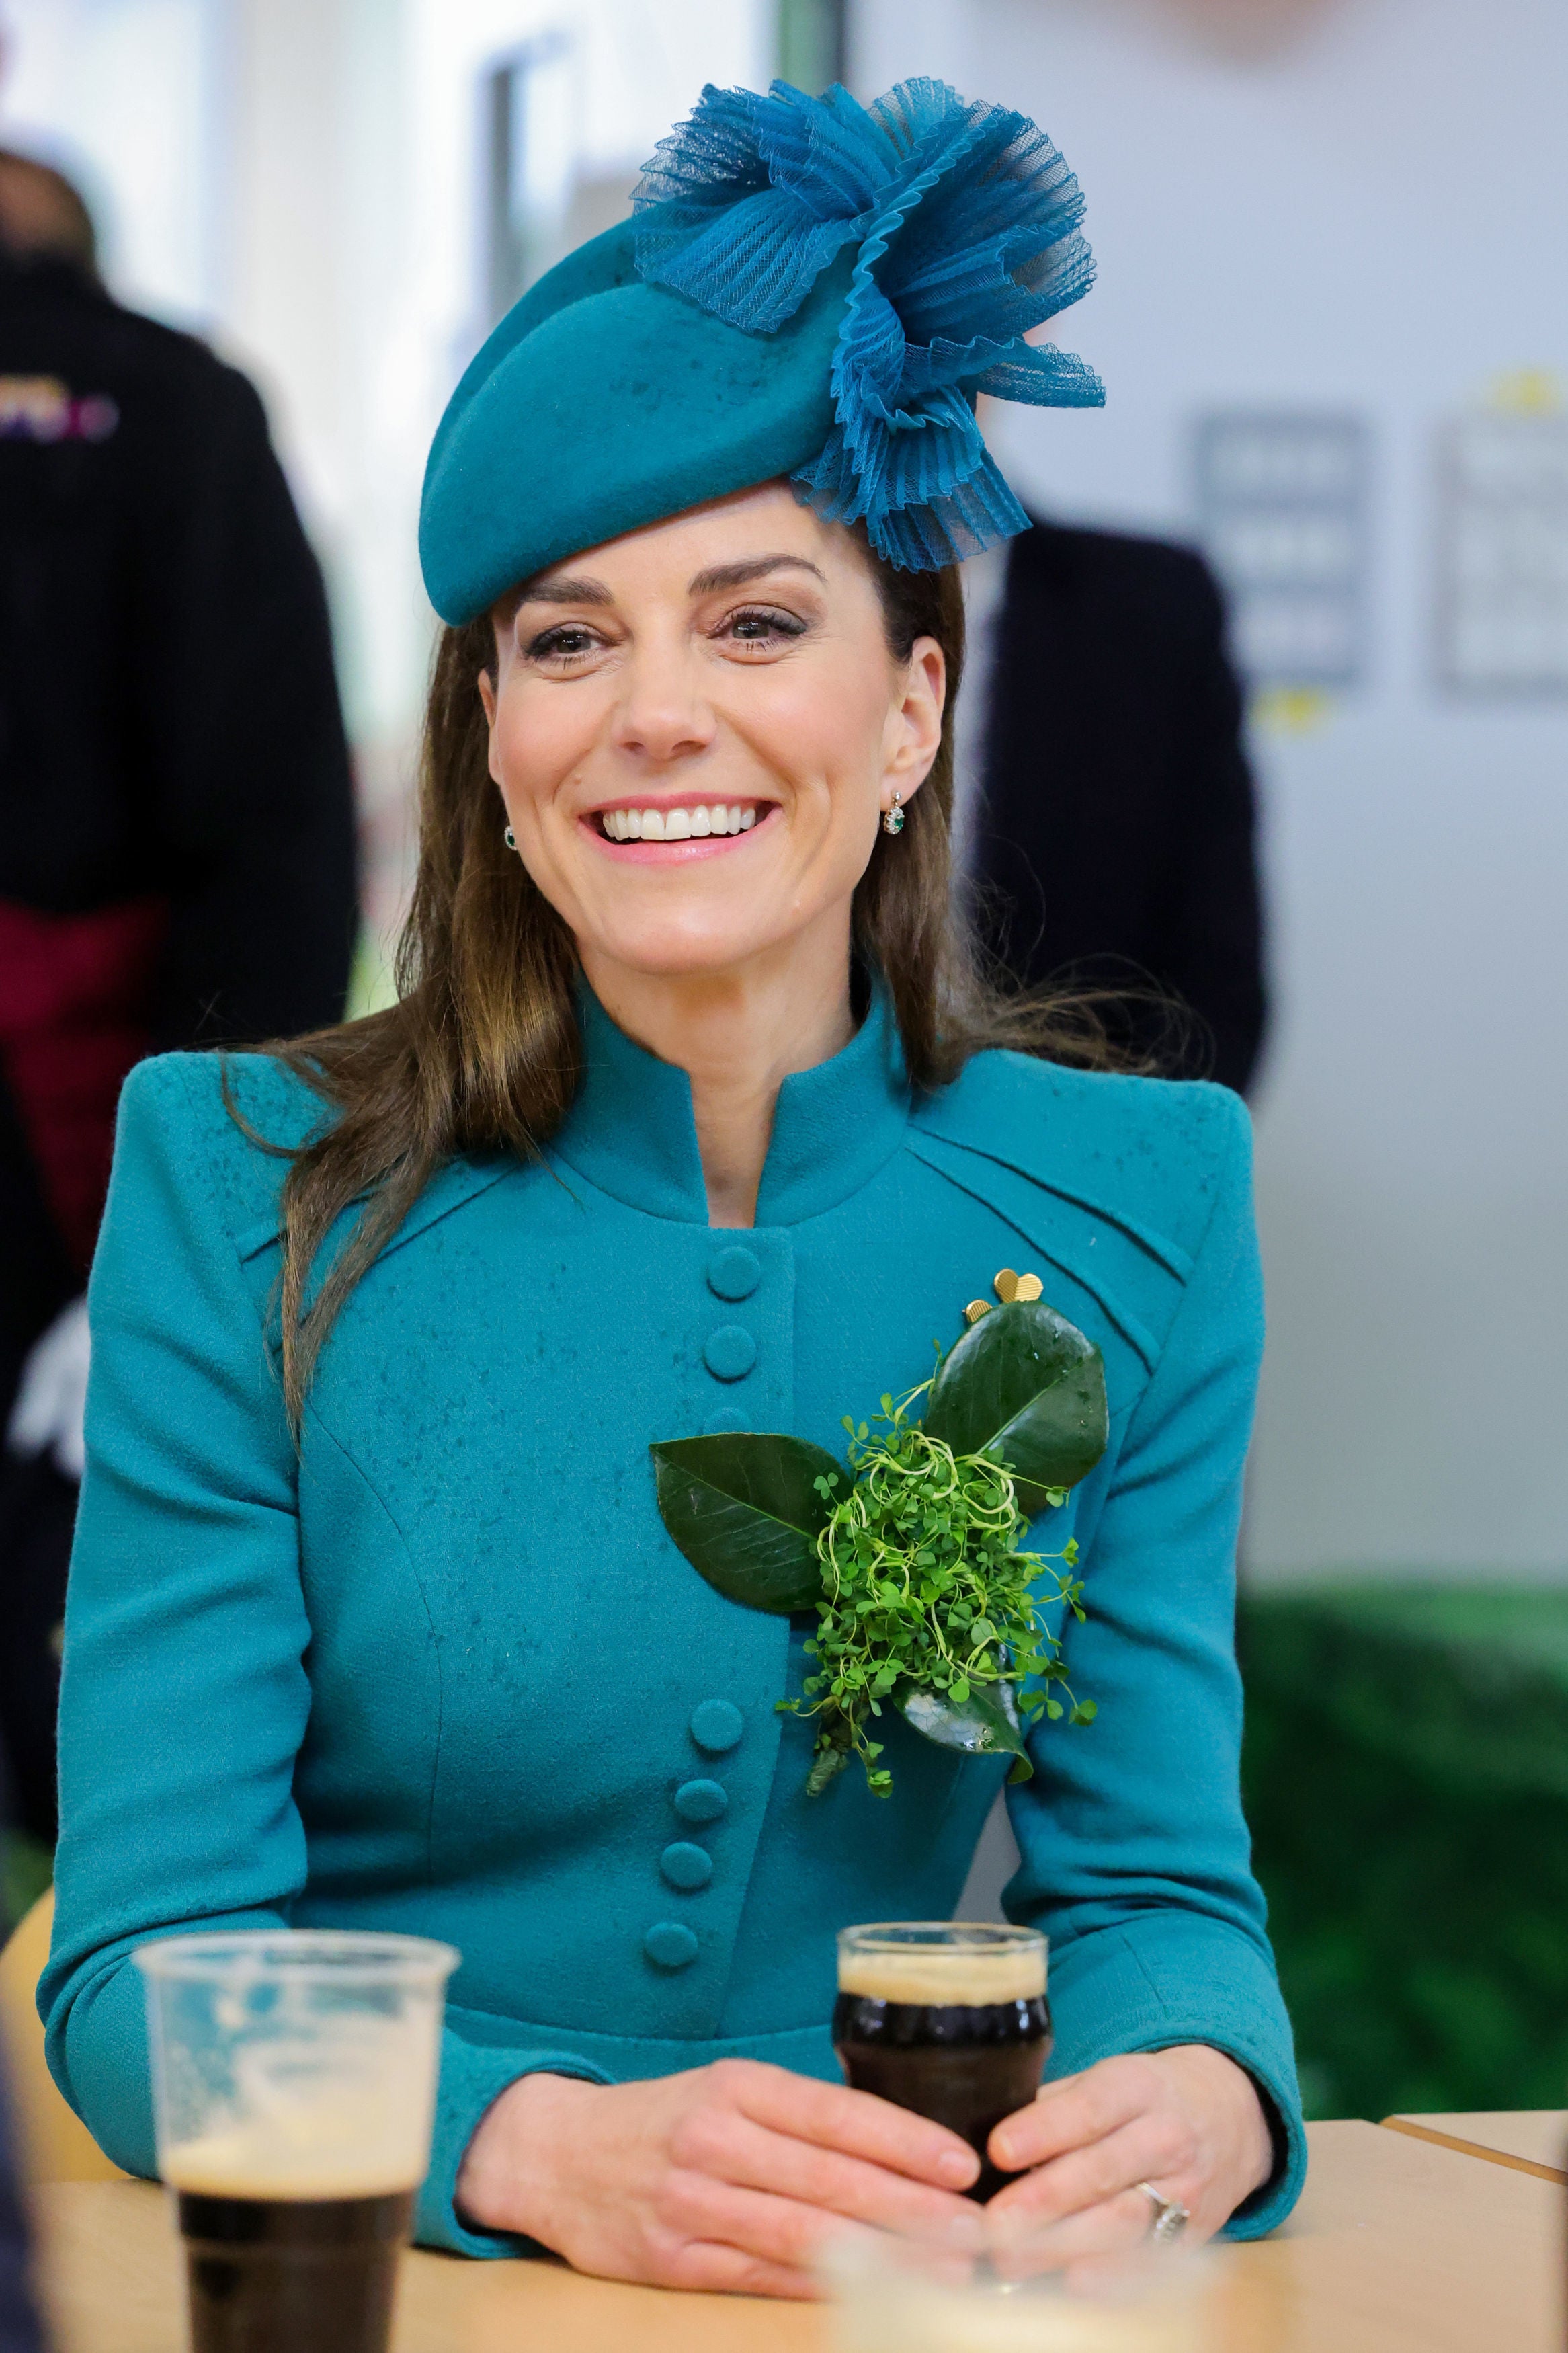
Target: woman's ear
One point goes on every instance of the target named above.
(914, 724)
(487, 696)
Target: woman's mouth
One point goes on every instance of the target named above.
(690, 821)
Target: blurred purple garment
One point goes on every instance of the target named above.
(19, 2330)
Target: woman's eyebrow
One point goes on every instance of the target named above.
(565, 592)
(737, 576)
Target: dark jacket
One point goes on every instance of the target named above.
(1117, 825)
(176, 824)
(169, 716)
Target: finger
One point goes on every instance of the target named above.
(830, 2115)
(1152, 2148)
(780, 2230)
(1072, 2114)
(1024, 2245)
(706, 2268)
(726, 2143)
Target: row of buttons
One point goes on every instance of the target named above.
(731, 1352)
(716, 1726)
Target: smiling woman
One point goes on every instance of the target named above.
(378, 1616)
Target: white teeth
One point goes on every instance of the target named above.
(679, 824)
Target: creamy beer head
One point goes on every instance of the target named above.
(942, 1964)
(307, 2159)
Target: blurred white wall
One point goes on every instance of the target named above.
(1359, 203)
(127, 96)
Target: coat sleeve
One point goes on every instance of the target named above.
(184, 1696)
(1135, 1854)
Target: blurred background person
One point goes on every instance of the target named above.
(1109, 826)
(18, 2321)
(19, 2330)
(177, 862)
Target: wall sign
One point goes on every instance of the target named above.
(1282, 505)
(1502, 542)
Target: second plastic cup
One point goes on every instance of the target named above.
(294, 2082)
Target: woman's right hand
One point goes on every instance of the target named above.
(730, 2177)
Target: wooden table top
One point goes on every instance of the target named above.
(1533, 2140)
(1400, 2245)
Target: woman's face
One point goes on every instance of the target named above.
(695, 730)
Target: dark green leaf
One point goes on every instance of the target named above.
(985, 1725)
(745, 1510)
(1026, 1386)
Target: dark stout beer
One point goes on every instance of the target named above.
(952, 2023)
(292, 2275)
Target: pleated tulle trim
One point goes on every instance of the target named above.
(965, 222)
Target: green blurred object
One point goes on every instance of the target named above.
(811, 43)
(26, 1870)
(1405, 1772)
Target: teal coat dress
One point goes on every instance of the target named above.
(442, 1671)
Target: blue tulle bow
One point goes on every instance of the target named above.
(965, 221)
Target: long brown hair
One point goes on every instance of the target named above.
(481, 1052)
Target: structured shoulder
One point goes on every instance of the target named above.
(1149, 1156)
(228, 1123)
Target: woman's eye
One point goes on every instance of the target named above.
(566, 642)
(763, 625)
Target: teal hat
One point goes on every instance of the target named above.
(808, 288)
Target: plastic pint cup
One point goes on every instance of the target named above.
(293, 2085)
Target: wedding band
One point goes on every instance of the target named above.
(1170, 2217)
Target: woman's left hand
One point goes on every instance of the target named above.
(1187, 2121)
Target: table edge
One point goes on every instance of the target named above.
(1476, 2149)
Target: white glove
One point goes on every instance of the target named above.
(50, 1400)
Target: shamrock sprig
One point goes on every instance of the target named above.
(924, 1589)
(925, 1601)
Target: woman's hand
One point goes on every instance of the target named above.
(730, 2177)
(1187, 2121)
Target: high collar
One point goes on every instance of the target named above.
(631, 1130)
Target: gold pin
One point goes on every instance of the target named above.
(1006, 1284)
(976, 1310)
(1029, 1286)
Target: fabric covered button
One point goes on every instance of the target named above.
(669, 1944)
(733, 1274)
(717, 1724)
(719, 1424)
(702, 1801)
(730, 1352)
(686, 1866)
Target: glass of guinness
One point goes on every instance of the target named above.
(293, 2081)
(948, 2017)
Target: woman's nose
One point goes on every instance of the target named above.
(662, 715)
